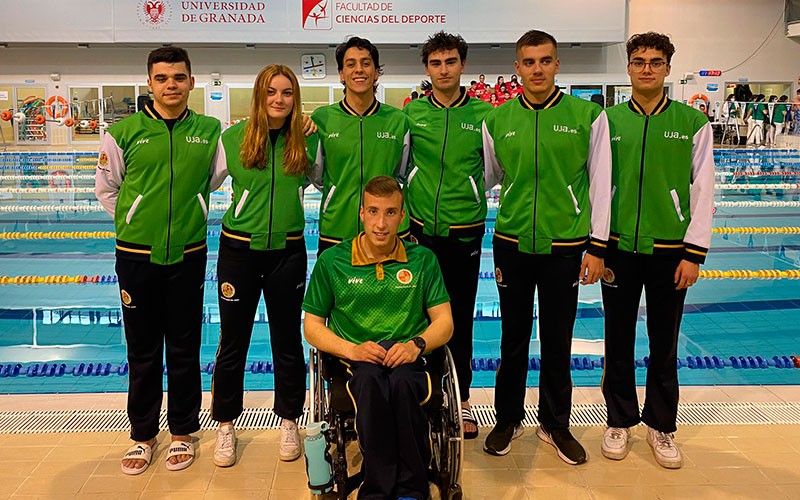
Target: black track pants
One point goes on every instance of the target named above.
(243, 276)
(460, 263)
(163, 305)
(621, 294)
(556, 278)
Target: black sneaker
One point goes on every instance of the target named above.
(568, 448)
(498, 442)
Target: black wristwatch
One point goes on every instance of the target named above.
(420, 343)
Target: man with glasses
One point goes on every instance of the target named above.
(551, 154)
(661, 216)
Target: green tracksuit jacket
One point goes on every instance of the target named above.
(662, 178)
(444, 185)
(553, 161)
(155, 183)
(267, 208)
(352, 150)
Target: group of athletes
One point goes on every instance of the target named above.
(623, 195)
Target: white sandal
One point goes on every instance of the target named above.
(139, 451)
(177, 448)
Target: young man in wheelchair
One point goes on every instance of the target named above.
(385, 304)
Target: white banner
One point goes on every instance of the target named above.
(309, 21)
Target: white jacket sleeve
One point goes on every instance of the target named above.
(402, 166)
(109, 174)
(493, 172)
(219, 167)
(318, 167)
(599, 168)
(701, 196)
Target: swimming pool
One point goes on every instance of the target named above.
(68, 337)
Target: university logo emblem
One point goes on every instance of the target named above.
(126, 298)
(498, 275)
(608, 275)
(228, 290)
(103, 160)
(317, 15)
(154, 13)
(404, 276)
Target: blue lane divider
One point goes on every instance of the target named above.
(577, 363)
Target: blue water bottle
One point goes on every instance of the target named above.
(318, 461)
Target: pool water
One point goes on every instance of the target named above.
(70, 326)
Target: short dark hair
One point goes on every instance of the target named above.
(168, 55)
(535, 38)
(444, 41)
(650, 40)
(359, 43)
(382, 186)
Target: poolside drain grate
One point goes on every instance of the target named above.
(583, 415)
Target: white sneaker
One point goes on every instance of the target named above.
(290, 441)
(667, 454)
(615, 443)
(225, 447)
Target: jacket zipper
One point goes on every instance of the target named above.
(641, 184)
(171, 179)
(271, 194)
(441, 174)
(361, 173)
(536, 176)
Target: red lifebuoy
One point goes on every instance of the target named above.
(39, 119)
(63, 180)
(57, 106)
(69, 122)
(6, 115)
(695, 97)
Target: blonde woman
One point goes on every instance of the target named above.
(262, 251)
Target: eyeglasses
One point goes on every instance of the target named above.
(655, 66)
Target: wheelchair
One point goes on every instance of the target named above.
(329, 402)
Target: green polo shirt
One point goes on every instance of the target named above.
(367, 300)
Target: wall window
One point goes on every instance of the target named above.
(119, 102)
(239, 102)
(197, 100)
(314, 97)
(86, 110)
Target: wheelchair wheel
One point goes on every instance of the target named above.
(448, 436)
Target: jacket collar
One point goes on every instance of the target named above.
(150, 110)
(551, 101)
(461, 100)
(662, 106)
(373, 108)
(359, 256)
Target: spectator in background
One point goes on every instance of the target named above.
(754, 117)
(426, 88)
(730, 110)
(795, 114)
(780, 115)
(481, 85)
(769, 126)
(414, 95)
